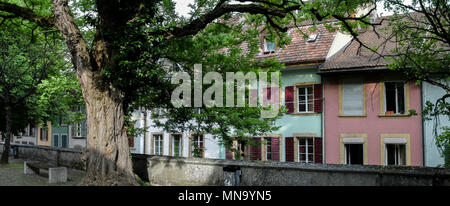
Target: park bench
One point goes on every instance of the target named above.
(55, 174)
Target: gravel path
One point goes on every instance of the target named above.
(12, 175)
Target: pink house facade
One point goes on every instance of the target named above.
(371, 114)
(376, 136)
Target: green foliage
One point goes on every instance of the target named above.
(433, 112)
(443, 142)
(34, 80)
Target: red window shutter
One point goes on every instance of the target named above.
(255, 151)
(289, 149)
(265, 97)
(289, 98)
(318, 150)
(275, 149)
(229, 155)
(253, 99)
(318, 98)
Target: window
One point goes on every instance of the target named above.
(79, 130)
(269, 46)
(353, 154)
(395, 154)
(312, 37)
(242, 148)
(197, 146)
(305, 99)
(176, 146)
(32, 131)
(394, 97)
(44, 134)
(158, 144)
(269, 149)
(352, 97)
(306, 150)
(55, 140)
(29, 131)
(157, 113)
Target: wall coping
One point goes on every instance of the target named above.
(46, 148)
(368, 169)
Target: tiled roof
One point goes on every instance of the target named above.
(301, 51)
(356, 57)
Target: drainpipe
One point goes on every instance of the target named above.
(423, 124)
(145, 131)
(323, 120)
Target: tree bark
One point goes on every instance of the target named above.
(6, 147)
(107, 156)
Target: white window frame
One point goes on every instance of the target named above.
(397, 156)
(307, 100)
(396, 97)
(267, 149)
(174, 136)
(43, 131)
(157, 148)
(198, 141)
(306, 150)
(266, 48)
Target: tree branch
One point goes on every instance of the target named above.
(201, 22)
(26, 13)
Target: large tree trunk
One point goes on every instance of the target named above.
(107, 157)
(6, 146)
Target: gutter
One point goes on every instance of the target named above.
(145, 131)
(323, 120)
(352, 70)
(423, 124)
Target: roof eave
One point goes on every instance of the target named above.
(352, 70)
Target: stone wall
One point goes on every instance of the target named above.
(57, 156)
(191, 171)
(164, 170)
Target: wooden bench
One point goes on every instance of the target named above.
(55, 174)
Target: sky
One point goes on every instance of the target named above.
(182, 8)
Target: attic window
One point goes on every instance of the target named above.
(312, 37)
(269, 46)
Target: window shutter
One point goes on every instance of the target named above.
(253, 99)
(318, 98)
(229, 155)
(289, 98)
(289, 149)
(318, 150)
(352, 97)
(255, 151)
(266, 98)
(275, 149)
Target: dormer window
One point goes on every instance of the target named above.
(269, 46)
(312, 37)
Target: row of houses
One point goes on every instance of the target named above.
(344, 107)
(59, 134)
